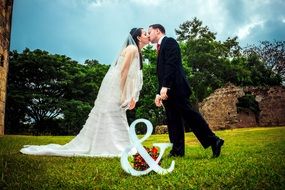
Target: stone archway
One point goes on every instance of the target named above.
(220, 108)
(248, 111)
(6, 7)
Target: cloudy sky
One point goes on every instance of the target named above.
(96, 29)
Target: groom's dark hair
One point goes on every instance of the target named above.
(159, 27)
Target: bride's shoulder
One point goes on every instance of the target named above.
(131, 49)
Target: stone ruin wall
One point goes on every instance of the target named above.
(271, 103)
(5, 30)
(220, 109)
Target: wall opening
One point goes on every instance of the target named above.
(248, 107)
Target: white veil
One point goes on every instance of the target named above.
(128, 41)
(105, 132)
(127, 66)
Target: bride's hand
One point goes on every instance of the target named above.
(132, 104)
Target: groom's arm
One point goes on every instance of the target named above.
(172, 59)
(172, 54)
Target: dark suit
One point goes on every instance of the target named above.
(170, 74)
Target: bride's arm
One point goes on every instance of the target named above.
(128, 58)
(128, 76)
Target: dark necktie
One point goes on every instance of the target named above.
(157, 48)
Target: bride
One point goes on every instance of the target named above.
(105, 133)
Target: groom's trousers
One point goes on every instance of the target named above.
(179, 112)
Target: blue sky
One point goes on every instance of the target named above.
(96, 29)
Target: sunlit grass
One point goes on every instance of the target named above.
(252, 158)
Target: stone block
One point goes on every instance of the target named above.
(161, 129)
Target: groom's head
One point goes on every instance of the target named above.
(155, 31)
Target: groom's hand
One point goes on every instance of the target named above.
(158, 100)
(163, 93)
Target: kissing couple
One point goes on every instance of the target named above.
(105, 132)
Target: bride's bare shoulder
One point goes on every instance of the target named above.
(131, 49)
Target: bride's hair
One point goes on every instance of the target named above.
(135, 33)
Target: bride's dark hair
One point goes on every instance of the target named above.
(135, 33)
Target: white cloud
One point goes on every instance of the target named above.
(212, 13)
(245, 30)
(96, 28)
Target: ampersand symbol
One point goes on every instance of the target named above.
(137, 143)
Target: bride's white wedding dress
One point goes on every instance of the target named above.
(105, 133)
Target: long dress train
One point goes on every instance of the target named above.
(105, 133)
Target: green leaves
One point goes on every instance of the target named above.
(50, 93)
(214, 63)
(44, 87)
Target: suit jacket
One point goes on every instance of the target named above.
(170, 72)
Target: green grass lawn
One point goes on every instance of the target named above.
(252, 158)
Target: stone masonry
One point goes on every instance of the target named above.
(220, 109)
(271, 103)
(5, 31)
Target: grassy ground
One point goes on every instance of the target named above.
(252, 158)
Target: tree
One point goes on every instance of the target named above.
(191, 30)
(204, 58)
(149, 54)
(272, 54)
(54, 94)
(91, 62)
(211, 63)
(50, 93)
(35, 87)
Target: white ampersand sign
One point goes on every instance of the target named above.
(137, 143)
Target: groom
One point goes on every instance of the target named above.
(173, 94)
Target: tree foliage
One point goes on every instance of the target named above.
(54, 94)
(214, 63)
(272, 54)
(49, 93)
(206, 57)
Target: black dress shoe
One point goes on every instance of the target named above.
(216, 148)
